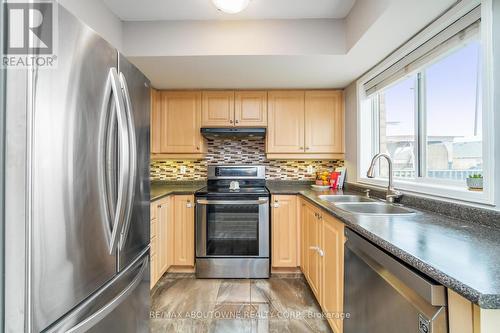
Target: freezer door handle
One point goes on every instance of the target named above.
(113, 214)
(133, 161)
(96, 317)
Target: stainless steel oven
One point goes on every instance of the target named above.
(232, 225)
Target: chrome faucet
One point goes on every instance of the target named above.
(392, 194)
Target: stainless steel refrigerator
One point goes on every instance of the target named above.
(77, 178)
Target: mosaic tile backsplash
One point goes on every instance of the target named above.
(238, 151)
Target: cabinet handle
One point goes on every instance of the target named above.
(237, 121)
(307, 148)
(230, 121)
(276, 204)
(189, 204)
(197, 147)
(301, 148)
(320, 252)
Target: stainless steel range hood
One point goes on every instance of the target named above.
(240, 132)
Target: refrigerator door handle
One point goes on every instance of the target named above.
(133, 160)
(113, 218)
(96, 317)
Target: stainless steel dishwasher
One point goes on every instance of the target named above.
(384, 295)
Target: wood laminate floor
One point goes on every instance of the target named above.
(182, 303)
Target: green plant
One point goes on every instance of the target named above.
(476, 175)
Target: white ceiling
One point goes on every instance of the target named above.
(150, 10)
(184, 55)
(188, 44)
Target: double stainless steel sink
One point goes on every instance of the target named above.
(360, 205)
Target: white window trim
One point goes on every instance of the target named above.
(422, 186)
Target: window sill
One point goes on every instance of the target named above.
(436, 191)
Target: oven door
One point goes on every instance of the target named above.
(232, 227)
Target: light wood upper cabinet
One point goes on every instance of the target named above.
(217, 109)
(184, 230)
(155, 121)
(324, 127)
(284, 231)
(332, 269)
(285, 132)
(250, 108)
(181, 122)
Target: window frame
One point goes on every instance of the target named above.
(426, 186)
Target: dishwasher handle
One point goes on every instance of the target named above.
(431, 291)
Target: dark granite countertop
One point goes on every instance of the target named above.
(162, 189)
(462, 255)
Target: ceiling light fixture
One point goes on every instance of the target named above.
(231, 6)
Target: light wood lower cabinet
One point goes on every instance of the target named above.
(172, 234)
(332, 270)
(322, 259)
(184, 230)
(284, 231)
(313, 247)
(304, 236)
(161, 238)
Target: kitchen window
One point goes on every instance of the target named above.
(426, 111)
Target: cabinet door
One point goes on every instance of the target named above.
(181, 122)
(304, 240)
(332, 268)
(155, 121)
(284, 231)
(164, 221)
(285, 122)
(324, 122)
(154, 243)
(314, 264)
(218, 109)
(184, 230)
(250, 108)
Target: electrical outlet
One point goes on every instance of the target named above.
(310, 169)
(182, 169)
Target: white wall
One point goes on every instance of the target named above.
(351, 132)
(496, 93)
(251, 37)
(362, 16)
(96, 15)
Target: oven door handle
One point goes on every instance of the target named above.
(232, 202)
